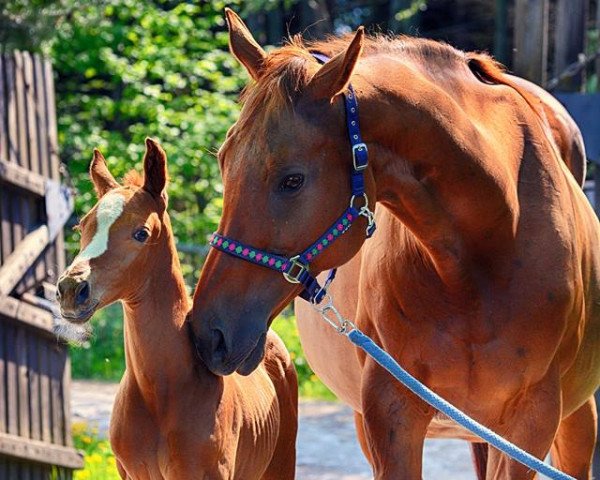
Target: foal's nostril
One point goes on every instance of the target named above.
(82, 293)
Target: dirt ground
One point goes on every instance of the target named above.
(327, 445)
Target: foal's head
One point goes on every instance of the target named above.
(123, 238)
(286, 167)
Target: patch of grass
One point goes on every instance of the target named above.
(99, 459)
(102, 357)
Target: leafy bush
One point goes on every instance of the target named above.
(128, 69)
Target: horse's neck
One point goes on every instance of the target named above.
(158, 350)
(436, 168)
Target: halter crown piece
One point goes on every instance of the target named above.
(296, 269)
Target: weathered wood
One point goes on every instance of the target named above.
(531, 40)
(23, 155)
(43, 452)
(33, 365)
(22, 258)
(45, 405)
(11, 107)
(40, 105)
(3, 109)
(22, 178)
(57, 366)
(28, 314)
(23, 382)
(12, 399)
(569, 39)
(3, 425)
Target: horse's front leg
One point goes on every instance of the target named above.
(395, 423)
(531, 425)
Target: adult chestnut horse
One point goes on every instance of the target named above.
(171, 420)
(482, 278)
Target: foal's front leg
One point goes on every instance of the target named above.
(395, 423)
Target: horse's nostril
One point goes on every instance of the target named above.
(82, 293)
(218, 342)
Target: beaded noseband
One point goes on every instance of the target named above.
(296, 269)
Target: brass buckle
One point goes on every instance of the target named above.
(359, 148)
(292, 277)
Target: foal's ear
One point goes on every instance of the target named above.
(333, 77)
(101, 178)
(155, 169)
(243, 46)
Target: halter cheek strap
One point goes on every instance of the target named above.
(296, 269)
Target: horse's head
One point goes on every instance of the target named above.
(122, 237)
(285, 166)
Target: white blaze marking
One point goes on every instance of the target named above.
(109, 209)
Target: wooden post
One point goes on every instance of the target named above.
(531, 39)
(501, 31)
(569, 40)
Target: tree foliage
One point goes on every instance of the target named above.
(128, 69)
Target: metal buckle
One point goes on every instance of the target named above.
(295, 278)
(358, 148)
(333, 317)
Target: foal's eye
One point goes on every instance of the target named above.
(141, 235)
(291, 182)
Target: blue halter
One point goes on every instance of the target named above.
(296, 269)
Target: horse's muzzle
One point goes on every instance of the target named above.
(227, 350)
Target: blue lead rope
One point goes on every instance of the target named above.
(387, 362)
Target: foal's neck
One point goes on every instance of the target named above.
(158, 350)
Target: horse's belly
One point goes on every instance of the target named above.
(442, 427)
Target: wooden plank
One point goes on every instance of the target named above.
(66, 401)
(42, 125)
(51, 117)
(11, 385)
(531, 40)
(45, 395)
(33, 364)
(5, 227)
(22, 382)
(3, 114)
(11, 106)
(3, 412)
(34, 450)
(569, 40)
(21, 259)
(32, 316)
(30, 113)
(59, 244)
(22, 178)
(57, 366)
(21, 120)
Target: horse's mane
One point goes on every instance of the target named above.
(133, 178)
(287, 70)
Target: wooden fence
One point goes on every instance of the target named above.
(35, 430)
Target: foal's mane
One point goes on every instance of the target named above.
(133, 178)
(287, 70)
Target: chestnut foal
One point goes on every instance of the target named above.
(172, 420)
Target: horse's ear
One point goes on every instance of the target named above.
(101, 178)
(155, 169)
(333, 77)
(243, 46)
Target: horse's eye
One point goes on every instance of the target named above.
(291, 182)
(141, 235)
